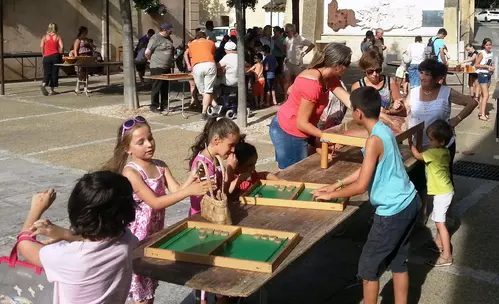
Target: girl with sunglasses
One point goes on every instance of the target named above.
(371, 63)
(154, 188)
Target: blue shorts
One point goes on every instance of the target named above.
(289, 149)
(483, 78)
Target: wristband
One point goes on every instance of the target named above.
(341, 184)
(459, 117)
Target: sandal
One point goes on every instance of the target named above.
(441, 262)
(483, 117)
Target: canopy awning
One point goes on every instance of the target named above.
(275, 5)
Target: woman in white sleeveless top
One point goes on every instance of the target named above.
(484, 68)
(429, 102)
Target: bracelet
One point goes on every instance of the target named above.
(341, 184)
(459, 117)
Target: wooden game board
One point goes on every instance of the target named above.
(275, 193)
(351, 134)
(236, 247)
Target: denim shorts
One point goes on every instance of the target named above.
(289, 149)
(388, 243)
(483, 78)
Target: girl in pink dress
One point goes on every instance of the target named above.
(154, 188)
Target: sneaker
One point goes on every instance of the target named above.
(204, 116)
(154, 109)
(44, 90)
(441, 262)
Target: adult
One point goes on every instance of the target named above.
(82, 47)
(52, 48)
(296, 48)
(368, 42)
(144, 40)
(484, 67)
(194, 91)
(228, 64)
(297, 119)
(266, 38)
(371, 63)
(233, 32)
(429, 102)
(415, 53)
(220, 52)
(472, 77)
(209, 31)
(438, 44)
(379, 41)
(160, 53)
(279, 52)
(202, 64)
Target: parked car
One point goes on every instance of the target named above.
(220, 32)
(487, 16)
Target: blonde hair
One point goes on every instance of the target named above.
(52, 28)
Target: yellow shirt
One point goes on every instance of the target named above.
(437, 171)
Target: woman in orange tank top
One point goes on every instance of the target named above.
(52, 48)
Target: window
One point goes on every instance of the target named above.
(482, 13)
(433, 18)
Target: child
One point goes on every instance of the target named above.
(391, 192)
(439, 184)
(258, 85)
(400, 77)
(219, 137)
(270, 65)
(469, 64)
(241, 168)
(151, 180)
(92, 262)
(485, 68)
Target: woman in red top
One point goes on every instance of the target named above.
(52, 48)
(296, 121)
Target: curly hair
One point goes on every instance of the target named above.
(101, 205)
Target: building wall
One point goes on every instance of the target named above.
(25, 23)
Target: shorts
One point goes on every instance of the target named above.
(472, 77)
(483, 78)
(269, 85)
(400, 73)
(292, 70)
(258, 87)
(280, 65)
(388, 243)
(289, 149)
(205, 75)
(441, 203)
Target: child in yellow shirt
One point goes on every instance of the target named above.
(439, 184)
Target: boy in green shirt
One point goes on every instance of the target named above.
(439, 184)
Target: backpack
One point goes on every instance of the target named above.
(429, 52)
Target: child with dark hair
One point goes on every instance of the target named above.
(92, 262)
(241, 170)
(154, 188)
(439, 183)
(259, 83)
(269, 69)
(391, 192)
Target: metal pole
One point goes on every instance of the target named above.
(107, 42)
(183, 25)
(2, 77)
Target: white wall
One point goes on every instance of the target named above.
(277, 18)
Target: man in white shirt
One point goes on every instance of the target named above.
(229, 65)
(297, 47)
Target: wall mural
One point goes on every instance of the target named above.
(340, 18)
(382, 15)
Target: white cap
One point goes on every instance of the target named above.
(230, 46)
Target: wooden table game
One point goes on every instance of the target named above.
(351, 134)
(311, 225)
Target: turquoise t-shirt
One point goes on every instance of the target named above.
(390, 189)
(437, 45)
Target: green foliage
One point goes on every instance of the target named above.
(150, 6)
(246, 4)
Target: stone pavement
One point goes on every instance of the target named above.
(51, 141)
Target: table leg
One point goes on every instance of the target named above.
(86, 83)
(462, 84)
(263, 296)
(183, 98)
(324, 153)
(22, 68)
(167, 98)
(36, 66)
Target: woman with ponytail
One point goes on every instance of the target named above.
(296, 121)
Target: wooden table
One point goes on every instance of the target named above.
(311, 225)
(184, 78)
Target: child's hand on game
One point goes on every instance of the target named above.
(199, 188)
(326, 189)
(46, 228)
(43, 200)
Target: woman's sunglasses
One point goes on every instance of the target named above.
(130, 123)
(371, 71)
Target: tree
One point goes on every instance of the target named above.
(129, 88)
(295, 9)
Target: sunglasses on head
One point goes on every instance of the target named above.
(371, 71)
(130, 123)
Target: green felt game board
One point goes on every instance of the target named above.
(272, 192)
(306, 195)
(246, 247)
(188, 241)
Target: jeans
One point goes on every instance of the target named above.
(159, 86)
(50, 70)
(414, 76)
(483, 78)
(289, 149)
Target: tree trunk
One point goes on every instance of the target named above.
(295, 9)
(129, 90)
(241, 70)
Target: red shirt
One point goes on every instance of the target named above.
(311, 90)
(50, 45)
(255, 178)
(233, 33)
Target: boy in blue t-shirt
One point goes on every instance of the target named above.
(391, 192)
(269, 67)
